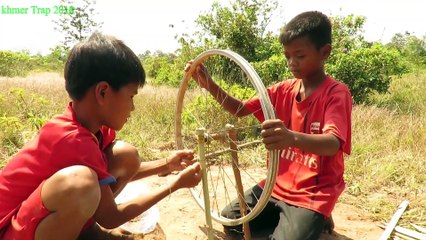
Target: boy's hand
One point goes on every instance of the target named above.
(276, 135)
(179, 160)
(200, 75)
(190, 176)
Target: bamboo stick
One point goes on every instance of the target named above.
(232, 134)
(407, 232)
(201, 152)
(392, 224)
(418, 228)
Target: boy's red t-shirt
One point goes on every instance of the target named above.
(61, 142)
(305, 179)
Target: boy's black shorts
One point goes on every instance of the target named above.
(278, 221)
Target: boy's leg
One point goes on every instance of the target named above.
(59, 208)
(297, 223)
(266, 220)
(123, 163)
(329, 225)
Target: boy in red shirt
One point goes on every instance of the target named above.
(62, 184)
(312, 132)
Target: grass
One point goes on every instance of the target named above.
(387, 164)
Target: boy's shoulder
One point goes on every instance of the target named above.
(336, 86)
(62, 135)
(285, 84)
(64, 129)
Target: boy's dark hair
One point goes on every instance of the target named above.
(101, 58)
(314, 25)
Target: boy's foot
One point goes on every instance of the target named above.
(329, 225)
(99, 233)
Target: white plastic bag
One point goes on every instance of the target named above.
(147, 221)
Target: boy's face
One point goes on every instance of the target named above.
(118, 105)
(303, 57)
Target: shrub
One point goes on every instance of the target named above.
(15, 64)
(272, 69)
(366, 69)
(163, 70)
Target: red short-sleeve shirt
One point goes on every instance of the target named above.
(61, 142)
(306, 179)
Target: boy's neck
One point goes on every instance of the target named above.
(313, 81)
(84, 115)
(309, 85)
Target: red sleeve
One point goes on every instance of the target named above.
(108, 136)
(337, 117)
(254, 106)
(81, 148)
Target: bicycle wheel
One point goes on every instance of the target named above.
(225, 135)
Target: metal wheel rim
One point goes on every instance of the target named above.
(268, 112)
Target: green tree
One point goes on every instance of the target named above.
(347, 32)
(77, 22)
(240, 27)
(410, 46)
(15, 64)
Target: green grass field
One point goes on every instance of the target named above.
(387, 164)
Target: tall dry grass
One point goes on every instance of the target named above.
(388, 163)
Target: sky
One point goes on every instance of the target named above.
(145, 24)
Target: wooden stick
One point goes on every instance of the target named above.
(232, 134)
(201, 152)
(392, 224)
(221, 137)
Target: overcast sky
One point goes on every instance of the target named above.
(145, 25)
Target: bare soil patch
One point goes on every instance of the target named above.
(182, 218)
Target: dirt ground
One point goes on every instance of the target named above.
(181, 218)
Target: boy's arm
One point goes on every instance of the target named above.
(277, 136)
(229, 103)
(176, 161)
(110, 215)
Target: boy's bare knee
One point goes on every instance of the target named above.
(75, 188)
(124, 159)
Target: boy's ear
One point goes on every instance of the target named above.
(100, 91)
(326, 51)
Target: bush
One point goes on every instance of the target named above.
(272, 70)
(366, 69)
(15, 64)
(163, 70)
(54, 61)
